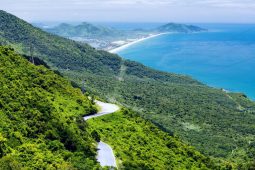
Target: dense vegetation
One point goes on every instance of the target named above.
(200, 115)
(41, 125)
(138, 144)
(204, 117)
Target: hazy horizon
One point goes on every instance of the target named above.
(153, 11)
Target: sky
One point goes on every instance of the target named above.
(183, 11)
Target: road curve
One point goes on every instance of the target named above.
(106, 108)
(105, 155)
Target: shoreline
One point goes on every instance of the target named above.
(122, 47)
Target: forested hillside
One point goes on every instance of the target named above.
(198, 114)
(138, 144)
(41, 125)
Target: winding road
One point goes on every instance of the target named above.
(106, 108)
(105, 154)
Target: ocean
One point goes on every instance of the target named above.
(223, 57)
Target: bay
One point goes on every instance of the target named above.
(223, 57)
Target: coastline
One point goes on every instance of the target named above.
(122, 47)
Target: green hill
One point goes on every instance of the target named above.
(173, 27)
(41, 125)
(198, 114)
(138, 144)
(84, 30)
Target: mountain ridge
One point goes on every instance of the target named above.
(89, 30)
(82, 30)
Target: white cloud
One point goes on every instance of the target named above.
(144, 10)
(242, 3)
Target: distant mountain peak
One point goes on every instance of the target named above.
(176, 27)
(84, 29)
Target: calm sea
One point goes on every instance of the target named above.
(224, 57)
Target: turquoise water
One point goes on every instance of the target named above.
(224, 57)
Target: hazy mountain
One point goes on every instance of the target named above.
(83, 30)
(173, 27)
(91, 31)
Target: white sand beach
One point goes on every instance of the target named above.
(115, 50)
